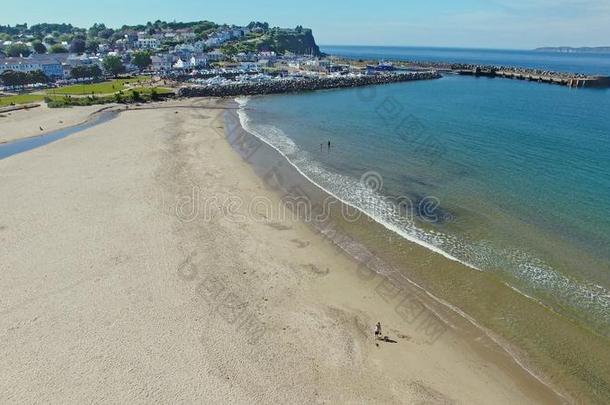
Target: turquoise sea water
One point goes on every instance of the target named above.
(520, 172)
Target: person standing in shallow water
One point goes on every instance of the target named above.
(329, 146)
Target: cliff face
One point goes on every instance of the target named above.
(299, 41)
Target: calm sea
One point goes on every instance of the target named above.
(510, 177)
(590, 63)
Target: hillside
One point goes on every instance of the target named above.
(61, 38)
(279, 40)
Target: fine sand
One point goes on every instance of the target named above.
(41, 120)
(131, 273)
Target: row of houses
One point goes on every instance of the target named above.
(53, 66)
(182, 58)
(220, 37)
(144, 40)
(167, 63)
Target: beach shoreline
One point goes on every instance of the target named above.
(132, 274)
(526, 357)
(42, 121)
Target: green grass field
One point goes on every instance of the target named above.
(108, 87)
(103, 92)
(21, 99)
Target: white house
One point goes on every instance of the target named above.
(148, 43)
(199, 46)
(184, 48)
(249, 66)
(199, 60)
(185, 34)
(216, 56)
(267, 55)
(162, 63)
(180, 64)
(246, 57)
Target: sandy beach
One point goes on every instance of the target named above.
(143, 261)
(19, 124)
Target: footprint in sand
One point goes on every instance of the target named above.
(312, 268)
(279, 227)
(300, 243)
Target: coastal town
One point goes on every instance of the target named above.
(169, 59)
(164, 51)
(199, 58)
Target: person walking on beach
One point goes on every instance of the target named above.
(378, 330)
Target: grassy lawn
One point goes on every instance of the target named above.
(20, 99)
(108, 87)
(104, 93)
(126, 96)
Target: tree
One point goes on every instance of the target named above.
(65, 38)
(92, 46)
(78, 46)
(135, 95)
(113, 65)
(12, 78)
(82, 72)
(95, 30)
(95, 71)
(142, 60)
(17, 50)
(39, 47)
(203, 27)
(229, 50)
(36, 76)
(107, 33)
(58, 48)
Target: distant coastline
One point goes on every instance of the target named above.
(568, 49)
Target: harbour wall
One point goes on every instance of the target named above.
(232, 89)
(563, 79)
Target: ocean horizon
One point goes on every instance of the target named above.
(585, 63)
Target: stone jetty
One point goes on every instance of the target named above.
(299, 84)
(535, 75)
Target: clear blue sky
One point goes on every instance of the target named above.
(465, 23)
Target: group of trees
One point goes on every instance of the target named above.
(260, 26)
(17, 50)
(113, 65)
(142, 60)
(12, 78)
(84, 72)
